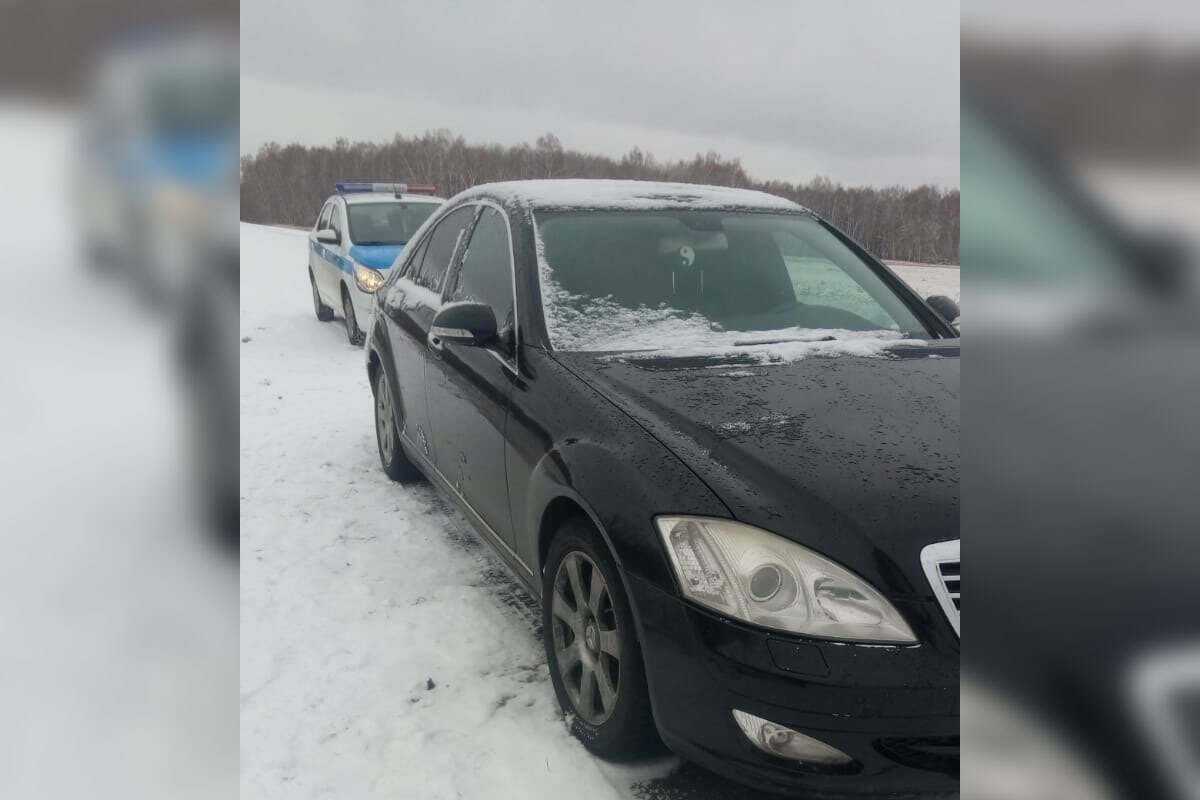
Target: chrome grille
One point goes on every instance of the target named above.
(1165, 684)
(942, 567)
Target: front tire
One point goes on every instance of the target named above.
(324, 313)
(592, 646)
(387, 433)
(353, 333)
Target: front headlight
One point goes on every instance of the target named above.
(764, 579)
(369, 280)
(179, 205)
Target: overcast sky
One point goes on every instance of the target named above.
(862, 92)
(1163, 22)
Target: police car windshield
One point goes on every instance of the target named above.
(194, 102)
(386, 223)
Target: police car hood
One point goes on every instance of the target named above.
(376, 256)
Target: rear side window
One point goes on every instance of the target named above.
(486, 272)
(323, 218)
(441, 247)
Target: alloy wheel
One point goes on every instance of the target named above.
(385, 421)
(587, 640)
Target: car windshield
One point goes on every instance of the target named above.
(1017, 229)
(196, 101)
(387, 223)
(631, 280)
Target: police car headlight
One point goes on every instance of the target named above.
(179, 205)
(369, 280)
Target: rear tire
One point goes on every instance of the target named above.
(324, 313)
(353, 334)
(387, 433)
(588, 628)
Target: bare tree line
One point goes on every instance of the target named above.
(1109, 101)
(286, 184)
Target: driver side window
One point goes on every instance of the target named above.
(323, 218)
(442, 243)
(335, 220)
(485, 274)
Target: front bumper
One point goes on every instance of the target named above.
(894, 710)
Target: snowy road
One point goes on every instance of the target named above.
(385, 651)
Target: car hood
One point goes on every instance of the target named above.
(856, 457)
(376, 256)
(200, 159)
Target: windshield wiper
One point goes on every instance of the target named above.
(783, 340)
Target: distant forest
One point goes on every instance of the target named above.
(286, 184)
(1109, 101)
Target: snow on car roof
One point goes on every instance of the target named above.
(356, 198)
(628, 195)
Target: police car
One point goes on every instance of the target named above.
(354, 242)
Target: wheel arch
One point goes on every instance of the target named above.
(374, 363)
(379, 353)
(556, 512)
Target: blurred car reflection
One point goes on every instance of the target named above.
(1080, 513)
(1038, 242)
(158, 158)
(156, 205)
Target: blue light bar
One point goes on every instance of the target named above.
(350, 187)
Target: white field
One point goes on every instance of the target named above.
(358, 592)
(929, 279)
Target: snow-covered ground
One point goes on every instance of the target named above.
(385, 651)
(120, 617)
(1152, 198)
(929, 279)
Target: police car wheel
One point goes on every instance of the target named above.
(387, 433)
(352, 332)
(324, 312)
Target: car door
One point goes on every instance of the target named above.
(334, 256)
(408, 305)
(468, 387)
(316, 250)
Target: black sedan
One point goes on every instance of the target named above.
(719, 441)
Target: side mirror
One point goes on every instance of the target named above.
(328, 236)
(470, 324)
(1164, 261)
(946, 308)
